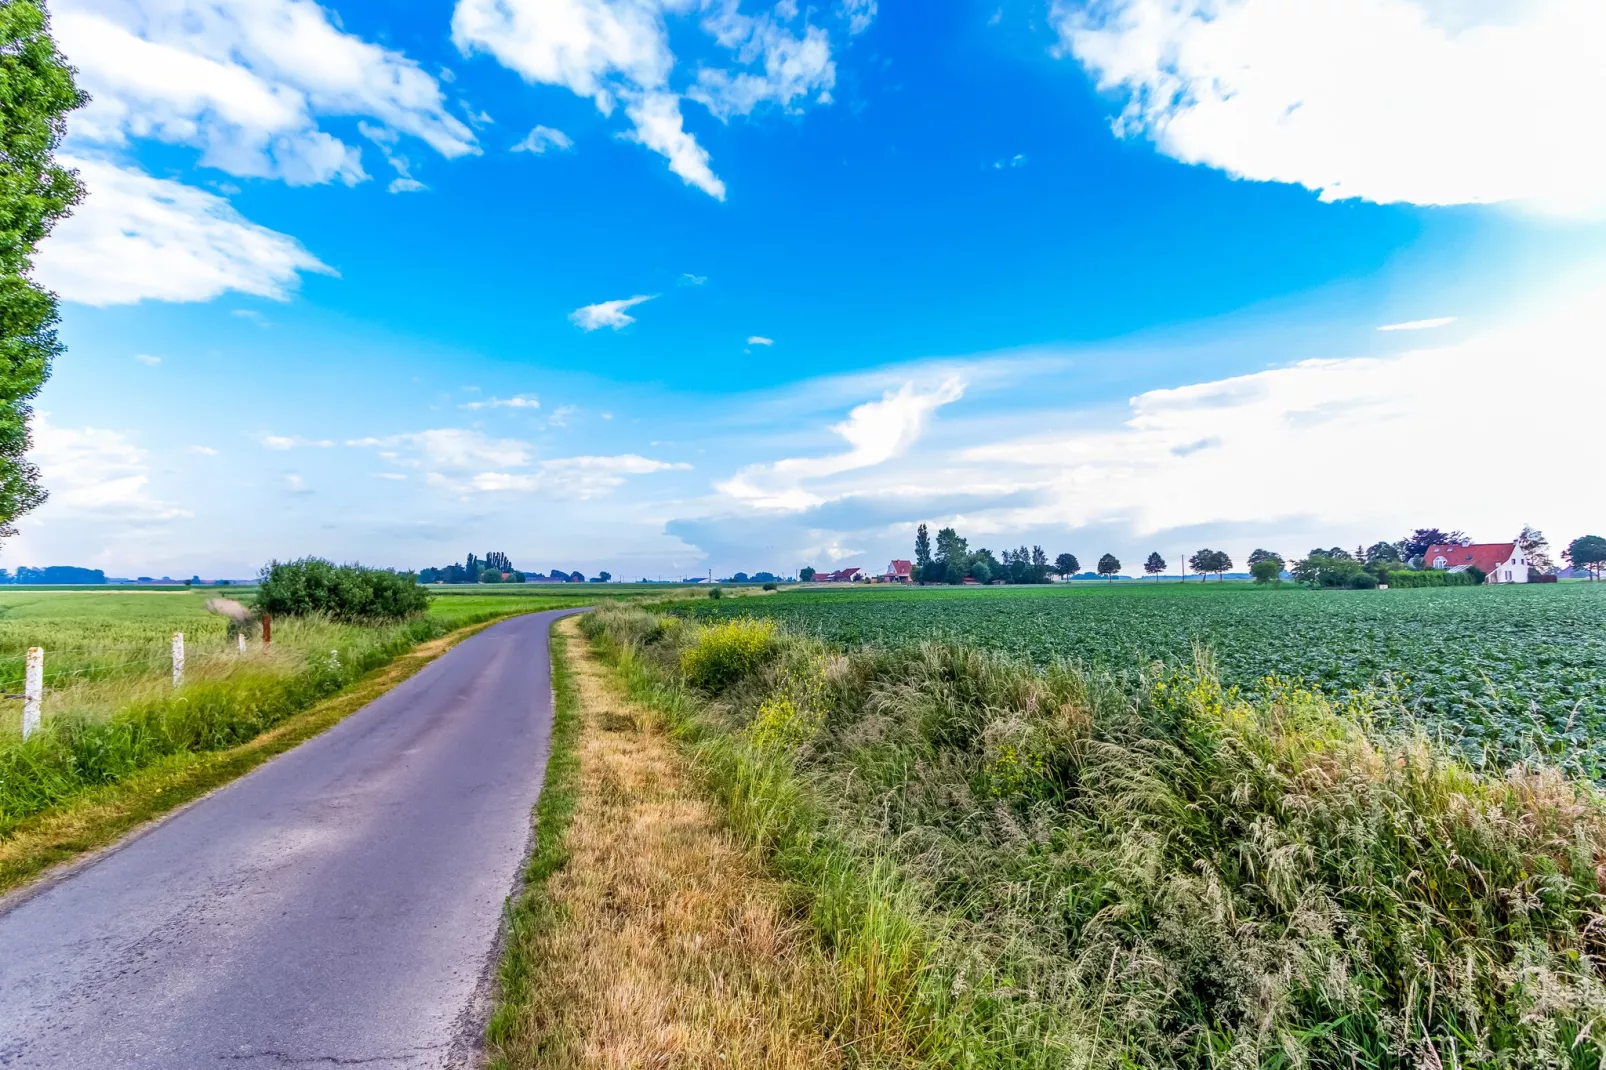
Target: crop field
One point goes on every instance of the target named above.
(1505, 671)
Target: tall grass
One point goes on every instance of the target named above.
(1023, 867)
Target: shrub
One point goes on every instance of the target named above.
(724, 653)
(1433, 577)
(769, 586)
(716, 593)
(342, 592)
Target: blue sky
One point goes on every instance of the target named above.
(668, 286)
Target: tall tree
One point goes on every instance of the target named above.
(1256, 556)
(1587, 552)
(1215, 561)
(922, 546)
(1382, 553)
(1154, 565)
(1066, 565)
(1536, 548)
(1417, 543)
(1109, 565)
(36, 93)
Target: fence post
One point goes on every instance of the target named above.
(241, 640)
(178, 659)
(267, 630)
(33, 690)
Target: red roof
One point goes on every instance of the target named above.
(901, 569)
(1484, 556)
(842, 575)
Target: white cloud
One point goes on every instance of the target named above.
(607, 313)
(147, 360)
(517, 401)
(403, 184)
(449, 450)
(137, 237)
(203, 451)
(1419, 325)
(576, 477)
(1422, 101)
(542, 138)
(290, 442)
(560, 416)
(876, 432)
(760, 340)
(470, 461)
(245, 81)
(860, 13)
(95, 473)
(692, 280)
(617, 53)
(793, 68)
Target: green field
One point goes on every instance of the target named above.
(1503, 669)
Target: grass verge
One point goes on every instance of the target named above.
(1023, 867)
(644, 935)
(94, 818)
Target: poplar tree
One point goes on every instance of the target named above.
(36, 93)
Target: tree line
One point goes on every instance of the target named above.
(950, 560)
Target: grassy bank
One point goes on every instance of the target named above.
(1016, 865)
(644, 936)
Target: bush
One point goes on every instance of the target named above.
(341, 592)
(726, 652)
(1433, 577)
(769, 586)
(716, 593)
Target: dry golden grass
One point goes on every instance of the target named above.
(669, 947)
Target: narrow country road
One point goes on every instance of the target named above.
(338, 906)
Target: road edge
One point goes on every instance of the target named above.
(52, 846)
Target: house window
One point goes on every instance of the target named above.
(1439, 562)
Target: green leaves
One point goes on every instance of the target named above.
(36, 93)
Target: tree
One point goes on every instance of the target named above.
(1382, 553)
(952, 560)
(1154, 565)
(1039, 563)
(1257, 556)
(1109, 565)
(740, 577)
(1215, 561)
(36, 93)
(1066, 565)
(1587, 552)
(1322, 569)
(1267, 570)
(1536, 548)
(1416, 544)
(806, 573)
(980, 572)
(922, 547)
(491, 575)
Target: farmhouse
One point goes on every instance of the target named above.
(841, 575)
(1502, 562)
(899, 572)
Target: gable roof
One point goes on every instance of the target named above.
(900, 568)
(1484, 556)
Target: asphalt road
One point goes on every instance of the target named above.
(338, 906)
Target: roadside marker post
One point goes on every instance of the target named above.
(178, 659)
(241, 639)
(267, 630)
(33, 690)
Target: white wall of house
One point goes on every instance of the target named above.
(1513, 570)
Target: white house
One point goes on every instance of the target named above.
(1502, 562)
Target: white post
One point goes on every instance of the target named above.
(241, 638)
(178, 659)
(33, 690)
